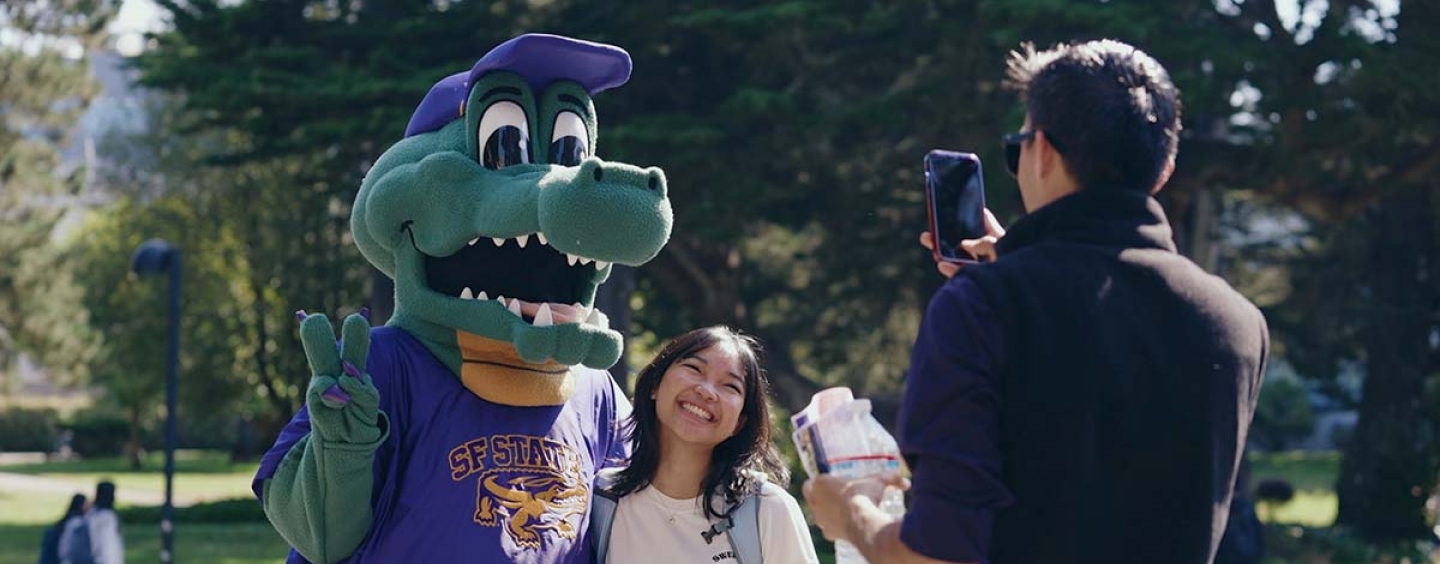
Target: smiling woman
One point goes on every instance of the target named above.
(703, 464)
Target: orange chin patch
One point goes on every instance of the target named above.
(494, 371)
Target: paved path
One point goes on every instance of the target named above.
(11, 458)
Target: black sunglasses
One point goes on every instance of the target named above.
(1012, 142)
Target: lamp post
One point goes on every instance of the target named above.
(154, 257)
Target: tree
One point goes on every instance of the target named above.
(44, 87)
(298, 100)
(1343, 132)
(792, 134)
(130, 314)
(163, 190)
(795, 127)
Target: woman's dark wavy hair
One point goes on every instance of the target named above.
(76, 509)
(734, 461)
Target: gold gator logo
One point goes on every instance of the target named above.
(526, 484)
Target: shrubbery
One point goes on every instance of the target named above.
(23, 429)
(103, 431)
(1283, 415)
(245, 510)
(99, 432)
(1294, 544)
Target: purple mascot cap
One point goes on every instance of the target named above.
(540, 58)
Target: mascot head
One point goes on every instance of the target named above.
(498, 222)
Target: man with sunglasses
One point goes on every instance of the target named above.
(1084, 395)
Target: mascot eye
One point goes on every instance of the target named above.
(504, 136)
(568, 142)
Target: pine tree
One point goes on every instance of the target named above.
(44, 87)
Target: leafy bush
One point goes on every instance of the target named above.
(1293, 544)
(210, 433)
(1283, 414)
(100, 432)
(226, 511)
(24, 429)
(1274, 490)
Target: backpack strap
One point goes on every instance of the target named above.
(602, 514)
(745, 531)
(743, 525)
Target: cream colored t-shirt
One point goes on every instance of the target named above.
(652, 527)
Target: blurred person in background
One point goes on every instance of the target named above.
(95, 538)
(50, 543)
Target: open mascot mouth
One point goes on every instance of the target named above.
(529, 277)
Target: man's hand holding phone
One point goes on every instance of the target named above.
(962, 229)
(982, 248)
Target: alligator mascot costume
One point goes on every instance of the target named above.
(470, 427)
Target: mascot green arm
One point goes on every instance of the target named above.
(319, 498)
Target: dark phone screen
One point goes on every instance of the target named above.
(957, 193)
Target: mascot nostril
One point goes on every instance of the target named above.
(484, 399)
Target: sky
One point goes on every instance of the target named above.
(135, 18)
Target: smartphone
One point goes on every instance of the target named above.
(955, 194)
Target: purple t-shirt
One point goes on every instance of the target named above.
(461, 479)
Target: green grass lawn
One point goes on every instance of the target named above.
(221, 543)
(25, 514)
(1312, 473)
(30, 508)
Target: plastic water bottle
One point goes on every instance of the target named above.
(880, 454)
(838, 435)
